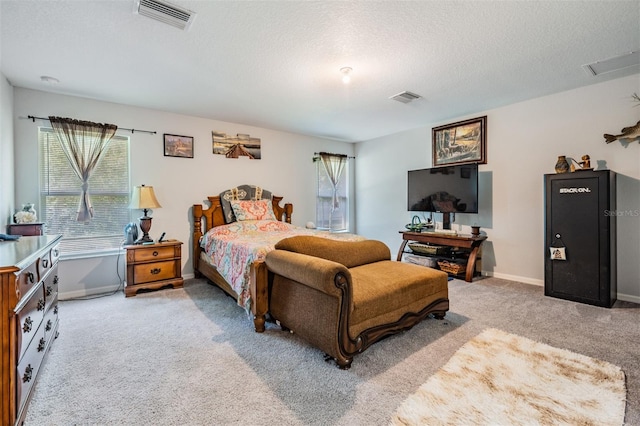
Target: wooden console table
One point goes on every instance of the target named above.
(463, 241)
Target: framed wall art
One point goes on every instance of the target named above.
(460, 143)
(241, 145)
(178, 146)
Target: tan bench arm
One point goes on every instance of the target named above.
(311, 271)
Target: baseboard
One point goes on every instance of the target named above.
(96, 291)
(517, 278)
(620, 296)
(629, 298)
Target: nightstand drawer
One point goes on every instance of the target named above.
(155, 271)
(153, 253)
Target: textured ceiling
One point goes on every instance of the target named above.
(275, 64)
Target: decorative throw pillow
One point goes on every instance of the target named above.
(242, 192)
(253, 210)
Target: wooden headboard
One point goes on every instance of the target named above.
(206, 218)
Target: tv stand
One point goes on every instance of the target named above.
(469, 245)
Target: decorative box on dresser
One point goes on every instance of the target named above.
(153, 266)
(26, 229)
(29, 317)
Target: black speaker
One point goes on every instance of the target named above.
(580, 237)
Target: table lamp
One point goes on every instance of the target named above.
(144, 198)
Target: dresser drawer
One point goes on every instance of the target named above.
(153, 253)
(50, 323)
(51, 286)
(44, 264)
(155, 271)
(28, 279)
(27, 370)
(29, 319)
(55, 254)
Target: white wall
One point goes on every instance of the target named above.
(286, 168)
(523, 143)
(6, 153)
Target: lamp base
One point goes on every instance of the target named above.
(144, 239)
(145, 226)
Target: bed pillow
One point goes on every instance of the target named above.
(242, 192)
(253, 210)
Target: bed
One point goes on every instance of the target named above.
(229, 248)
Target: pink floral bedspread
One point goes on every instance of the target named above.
(234, 247)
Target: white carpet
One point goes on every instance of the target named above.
(499, 378)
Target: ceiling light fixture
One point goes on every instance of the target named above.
(50, 80)
(346, 74)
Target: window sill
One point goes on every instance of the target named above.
(91, 254)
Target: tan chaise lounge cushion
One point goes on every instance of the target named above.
(386, 290)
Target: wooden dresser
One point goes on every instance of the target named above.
(28, 319)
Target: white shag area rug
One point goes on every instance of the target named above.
(499, 378)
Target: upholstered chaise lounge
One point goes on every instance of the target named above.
(343, 296)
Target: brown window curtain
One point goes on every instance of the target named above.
(334, 165)
(83, 142)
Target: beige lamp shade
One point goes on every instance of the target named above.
(144, 198)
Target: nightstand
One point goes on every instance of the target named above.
(153, 267)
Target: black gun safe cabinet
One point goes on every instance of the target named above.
(580, 237)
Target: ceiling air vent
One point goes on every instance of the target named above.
(405, 97)
(631, 59)
(165, 12)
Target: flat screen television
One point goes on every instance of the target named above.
(448, 189)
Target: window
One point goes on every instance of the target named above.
(109, 188)
(330, 216)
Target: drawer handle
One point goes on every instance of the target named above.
(155, 271)
(30, 275)
(155, 253)
(28, 372)
(49, 290)
(56, 252)
(28, 325)
(41, 345)
(55, 309)
(48, 326)
(56, 279)
(45, 263)
(41, 304)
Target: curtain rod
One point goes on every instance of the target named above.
(329, 153)
(119, 128)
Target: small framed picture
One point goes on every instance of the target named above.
(178, 146)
